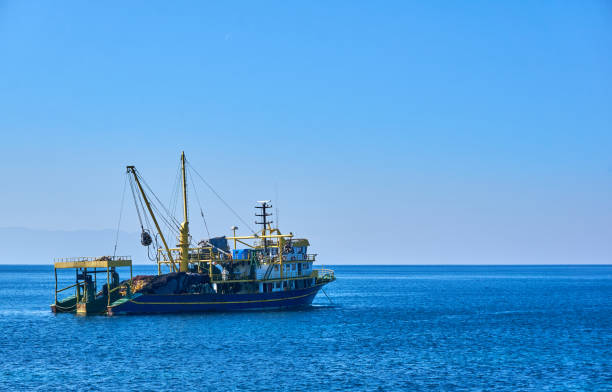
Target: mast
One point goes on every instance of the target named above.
(186, 220)
(264, 223)
(132, 169)
(184, 232)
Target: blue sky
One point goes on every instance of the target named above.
(395, 132)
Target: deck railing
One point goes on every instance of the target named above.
(228, 278)
(276, 259)
(320, 273)
(325, 273)
(205, 255)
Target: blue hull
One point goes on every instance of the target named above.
(185, 303)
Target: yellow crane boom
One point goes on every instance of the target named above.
(132, 170)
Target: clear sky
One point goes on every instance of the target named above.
(395, 132)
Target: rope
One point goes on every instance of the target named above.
(120, 214)
(220, 198)
(330, 301)
(65, 308)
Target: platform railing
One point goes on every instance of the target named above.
(106, 258)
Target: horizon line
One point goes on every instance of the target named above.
(399, 265)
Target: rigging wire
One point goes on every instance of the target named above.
(120, 214)
(175, 192)
(156, 207)
(169, 225)
(132, 186)
(145, 236)
(219, 197)
(198, 200)
(144, 213)
(160, 209)
(168, 214)
(138, 200)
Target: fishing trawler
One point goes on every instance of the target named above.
(264, 270)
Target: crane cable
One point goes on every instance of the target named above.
(166, 211)
(165, 217)
(136, 202)
(160, 209)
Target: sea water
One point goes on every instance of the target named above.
(383, 328)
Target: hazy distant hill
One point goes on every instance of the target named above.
(32, 246)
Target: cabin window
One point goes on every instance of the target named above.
(285, 284)
(276, 268)
(293, 267)
(277, 285)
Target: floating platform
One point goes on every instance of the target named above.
(86, 298)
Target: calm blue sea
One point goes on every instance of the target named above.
(390, 328)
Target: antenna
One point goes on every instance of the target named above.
(265, 204)
(276, 201)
